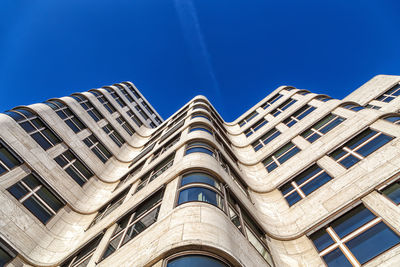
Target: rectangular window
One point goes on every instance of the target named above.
(74, 167)
(133, 90)
(255, 127)
(322, 127)
(392, 192)
(323, 98)
(110, 206)
(354, 238)
(7, 254)
(269, 102)
(166, 146)
(66, 114)
(372, 106)
(83, 256)
(285, 105)
(390, 94)
(265, 139)
(114, 135)
(126, 94)
(298, 115)
(280, 156)
(354, 107)
(102, 99)
(125, 125)
(134, 118)
(8, 159)
(36, 197)
(98, 148)
(156, 171)
(359, 147)
(141, 112)
(116, 97)
(35, 127)
(147, 107)
(304, 184)
(135, 222)
(90, 109)
(248, 118)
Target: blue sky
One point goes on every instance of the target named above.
(234, 52)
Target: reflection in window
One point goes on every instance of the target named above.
(265, 139)
(7, 254)
(114, 135)
(248, 118)
(86, 105)
(322, 127)
(199, 147)
(392, 192)
(125, 125)
(36, 197)
(200, 115)
(102, 99)
(354, 238)
(280, 156)
(354, 107)
(285, 105)
(83, 256)
(255, 127)
(98, 148)
(8, 159)
(134, 118)
(359, 147)
(269, 102)
(200, 128)
(66, 114)
(196, 261)
(390, 94)
(74, 167)
(298, 115)
(393, 119)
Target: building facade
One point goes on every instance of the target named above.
(99, 179)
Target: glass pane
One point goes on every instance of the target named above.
(316, 183)
(293, 198)
(349, 161)
(374, 144)
(40, 211)
(75, 175)
(338, 153)
(72, 126)
(41, 141)
(200, 194)
(17, 190)
(336, 259)
(360, 138)
(288, 155)
(331, 125)
(49, 198)
(199, 178)
(393, 192)
(195, 261)
(272, 137)
(321, 239)
(82, 169)
(4, 257)
(373, 242)
(271, 167)
(307, 174)
(199, 149)
(27, 126)
(7, 158)
(31, 181)
(313, 137)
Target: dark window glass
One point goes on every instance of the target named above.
(200, 194)
(195, 261)
(65, 113)
(74, 167)
(393, 192)
(8, 159)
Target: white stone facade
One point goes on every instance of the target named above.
(150, 160)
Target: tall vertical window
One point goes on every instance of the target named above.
(35, 127)
(285, 105)
(7, 254)
(271, 101)
(74, 167)
(8, 159)
(354, 238)
(390, 94)
(116, 97)
(86, 105)
(114, 135)
(36, 197)
(304, 184)
(98, 148)
(125, 125)
(126, 94)
(102, 99)
(66, 114)
(255, 127)
(265, 139)
(359, 147)
(83, 256)
(135, 222)
(280, 156)
(298, 115)
(141, 112)
(322, 127)
(134, 118)
(248, 118)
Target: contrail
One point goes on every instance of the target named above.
(194, 38)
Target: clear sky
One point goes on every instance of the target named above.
(235, 52)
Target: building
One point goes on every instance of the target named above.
(300, 179)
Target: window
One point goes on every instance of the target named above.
(106, 104)
(134, 118)
(36, 197)
(114, 135)
(248, 118)
(110, 206)
(158, 120)
(8, 159)
(135, 222)
(285, 105)
(35, 127)
(116, 97)
(152, 125)
(200, 128)
(86, 105)
(372, 106)
(74, 167)
(200, 115)
(126, 94)
(354, 107)
(194, 147)
(130, 174)
(393, 119)
(392, 192)
(125, 125)
(359, 147)
(304, 184)
(196, 260)
(141, 112)
(255, 127)
(83, 256)
(156, 171)
(200, 107)
(176, 120)
(147, 107)
(322, 127)
(354, 238)
(133, 90)
(198, 186)
(298, 115)
(303, 92)
(265, 139)
(7, 254)
(390, 94)
(66, 114)
(323, 98)
(280, 156)
(166, 146)
(269, 102)
(98, 148)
